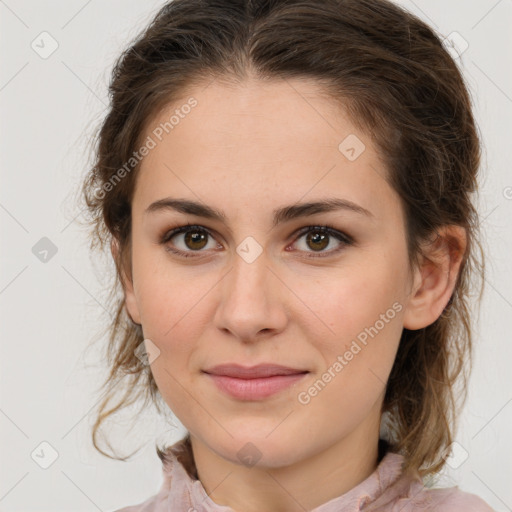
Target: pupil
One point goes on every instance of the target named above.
(195, 237)
(319, 237)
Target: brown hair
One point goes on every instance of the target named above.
(398, 83)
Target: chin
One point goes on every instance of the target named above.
(260, 450)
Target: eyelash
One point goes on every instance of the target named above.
(345, 239)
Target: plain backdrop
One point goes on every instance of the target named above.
(52, 303)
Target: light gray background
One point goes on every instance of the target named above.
(51, 311)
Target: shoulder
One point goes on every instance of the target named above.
(453, 499)
(172, 471)
(156, 503)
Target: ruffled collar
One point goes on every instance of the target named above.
(184, 491)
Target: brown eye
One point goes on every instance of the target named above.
(318, 238)
(186, 240)
(317, 241)
(195, 239)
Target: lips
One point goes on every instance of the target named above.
(253, 382)
(253, 372)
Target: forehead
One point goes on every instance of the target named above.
(276, 114)
(259, 138)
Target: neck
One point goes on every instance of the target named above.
(302, 485)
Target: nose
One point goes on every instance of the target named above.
(251, 304)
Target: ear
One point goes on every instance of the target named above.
(435, 279)
(129, 294)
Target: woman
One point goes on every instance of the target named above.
(286, 188)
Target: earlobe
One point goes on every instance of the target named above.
(131, 305)
(436, 277)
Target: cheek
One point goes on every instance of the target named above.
(364, 313)
(176, 310)
(173, 316)
(359, 312)
(165, 293)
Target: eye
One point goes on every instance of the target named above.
(195, 238)
(320, 237)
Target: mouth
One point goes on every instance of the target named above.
(254, 383)
(253, 372)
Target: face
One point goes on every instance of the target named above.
(253, 286)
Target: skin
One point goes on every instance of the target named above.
(248, 149)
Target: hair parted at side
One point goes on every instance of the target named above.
(396, 81)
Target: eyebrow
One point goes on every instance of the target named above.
(280, 215)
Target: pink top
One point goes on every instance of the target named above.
(385, 490)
